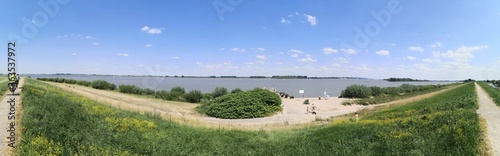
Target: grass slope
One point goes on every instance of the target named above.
(56, 122)
(494, 93)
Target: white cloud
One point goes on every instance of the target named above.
(261, 57)
(410, 58)
(73, 54)
(283, 20)
(294, 55)
(436, 45)
(307, 59)
(95, 43)
(342, 60)
(261, 49)
(249, 63)
(329, 50)
(122, 54)
(280, 63)
(238, 50)
(141, 65)
(311, 19)
(175, 58)
(90, 37)
(349, 51)
(436, 54)
(393, 44)
(415, 48)
(462, 54)
(295, 51)
(152, 30)
(148, 45)
(336, 65)
(382, 52)
(221, 49)
(427, 60)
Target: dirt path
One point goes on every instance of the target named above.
(491, 113)
(10, 110)
(293, 114)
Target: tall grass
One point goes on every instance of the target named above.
(60, 123)
(494, 93)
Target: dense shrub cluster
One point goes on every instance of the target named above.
(357, 91)
(362, 91)
(68, 81)
(241, 105)
(175, 94)
(103, 84)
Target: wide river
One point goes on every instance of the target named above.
(311, 87)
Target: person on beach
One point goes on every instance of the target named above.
(307, 110)
(313, 109)
(356, 115)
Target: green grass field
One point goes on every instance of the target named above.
(494, 93)
(4, 84)
(60, 123)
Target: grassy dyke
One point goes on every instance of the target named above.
(384, 98)
(4, 84)
(61, 123)
(494, 93)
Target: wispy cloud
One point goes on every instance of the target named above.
(122, 54)
(410, 58)
(148, 45)
(415, 48)
(96, 44)
(329, 50)
(296, 51)
(342, 60)
(221, 49)
(382, 52)
(349, 51)
(311, 19)
(308, 58)
(152, 30)
(238, 50)
(175, 58)
(90, 37)
(462, 54)
(73, 54)
(284, 21)
(261, 49)
(436, 45)
(294, 55)
(261, 57)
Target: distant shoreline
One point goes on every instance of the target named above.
(239, 77)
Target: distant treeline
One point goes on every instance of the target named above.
(392, 79)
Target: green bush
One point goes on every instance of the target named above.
(408, 88)
(391, 90)
(130, 89)
(163, 94)
(102, 84)
(219, 91)
(241, 105)
(84, 83)
(306, 102)
(176, 94)
(193, 96)
(236, 90)
(356, 91)
(376, 90)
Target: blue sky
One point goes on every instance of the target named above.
(375, 39)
